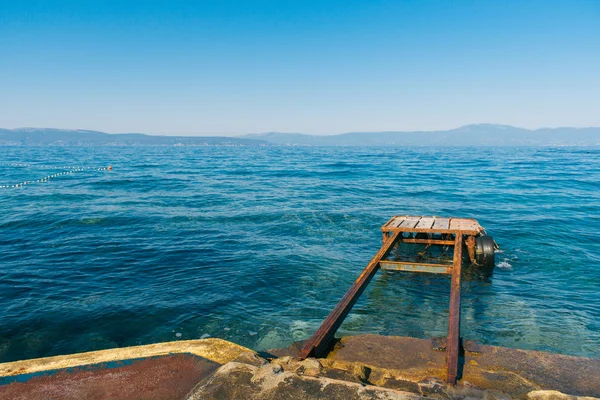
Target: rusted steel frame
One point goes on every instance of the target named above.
(385, 237)
(415, 267)
(428, 241)
(453, 342)
(471, 247)
(319, 342)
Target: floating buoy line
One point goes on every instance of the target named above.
(70, 170)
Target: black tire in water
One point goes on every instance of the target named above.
(484, 251)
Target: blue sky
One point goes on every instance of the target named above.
(234, 67)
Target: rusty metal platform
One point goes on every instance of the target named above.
(416, 230)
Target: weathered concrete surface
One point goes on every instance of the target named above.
(516, 372)
(359, 374)
(157, 371)
(217, 350)
(271, 382)
(312, 379)
(496, 366)
(362, 367)
(164, 377)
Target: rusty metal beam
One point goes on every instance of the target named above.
(428, 241)
(385, 237)
(453, 342)
(320, 341)
(470, 242)
(415, 267)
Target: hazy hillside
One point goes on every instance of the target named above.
(469, 135)
(58, 137)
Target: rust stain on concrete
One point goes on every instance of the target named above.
(164, 377)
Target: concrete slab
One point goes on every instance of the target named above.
(360, 367)
(163, 377)
(512, 371)
(157, 371)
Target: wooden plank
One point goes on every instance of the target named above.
(453, 342)
(441, 223)
(320, 341)
(415, 267)
(425, 223)
(392, 223)
(397, 222)
(407, 223)
(387, 224)
(410, 222)
(460, 224)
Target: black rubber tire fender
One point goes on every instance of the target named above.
(485, 251)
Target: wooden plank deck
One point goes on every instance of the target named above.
(460, 224)
(441, 223)
(410, 222)
(425, 223)
(432, 224)
(395, 222)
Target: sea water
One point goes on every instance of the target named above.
(257, 244)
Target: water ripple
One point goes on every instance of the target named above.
(256, 245)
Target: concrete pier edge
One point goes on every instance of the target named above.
(361, 367)
(216, 350)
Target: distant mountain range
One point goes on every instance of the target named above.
(65, 137)
(468, 135)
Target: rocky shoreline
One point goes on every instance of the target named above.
(337, 377)
(359, 367)
(287, 378)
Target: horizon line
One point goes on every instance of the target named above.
(234, 135)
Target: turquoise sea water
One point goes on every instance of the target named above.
(256, 245)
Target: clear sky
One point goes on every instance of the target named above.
(234, 67)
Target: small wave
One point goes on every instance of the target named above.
(504, 264)
(91, 221)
